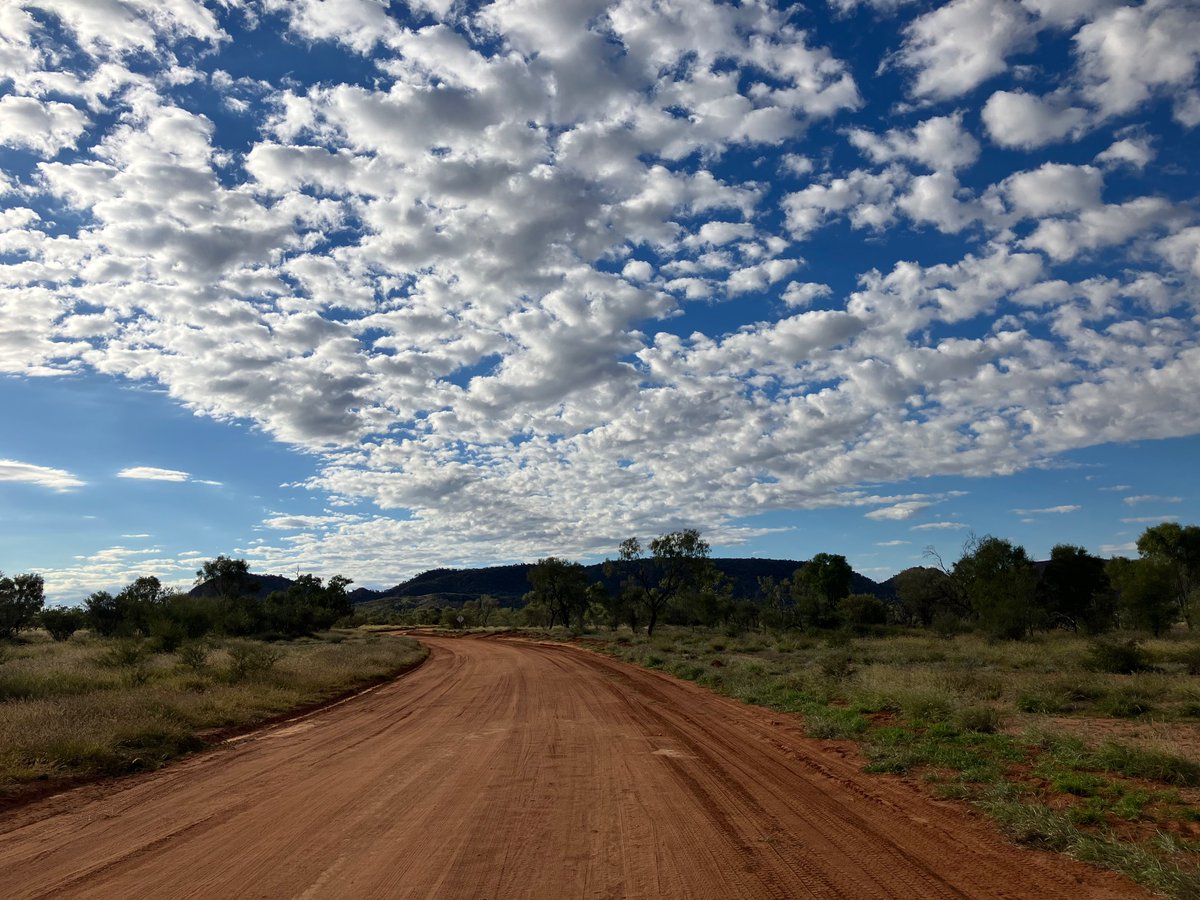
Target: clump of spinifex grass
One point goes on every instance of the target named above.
(991, 723)
(100, 707)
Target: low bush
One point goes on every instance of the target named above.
(1116, 657)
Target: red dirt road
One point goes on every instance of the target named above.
(509, 769)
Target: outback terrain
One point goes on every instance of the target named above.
(506, 768)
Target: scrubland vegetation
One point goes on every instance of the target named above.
(130, 680)
(105, 706)
(1054, 737)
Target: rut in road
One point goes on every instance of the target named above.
(505, 768)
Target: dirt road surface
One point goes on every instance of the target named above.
(511, 769)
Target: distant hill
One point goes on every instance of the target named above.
(508, 584)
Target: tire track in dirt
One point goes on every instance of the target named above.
(505, 768)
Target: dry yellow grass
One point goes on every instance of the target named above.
(95, 707)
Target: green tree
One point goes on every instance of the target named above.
(307, 605)
(818, 586)
(102, 613)
(1177, 548)
(677, 564)
(681, 563)
(710, 600)
(1075, 592)
(21, 599)
(230, 578)
(142, 604)
(1145, 593)
(998, 580)
(927, 593)
(62, 621)
(778, 606)
(860, 611)
(560, 586)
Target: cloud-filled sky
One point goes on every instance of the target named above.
(368, 287)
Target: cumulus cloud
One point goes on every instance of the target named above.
(1049, 510)
(1133, 152)
(956, 47)
(939, 143)
(1129, 52)
(938, 526)
(1018, 119)
(42, 476)
(42, 126)
(1151, 498)
(540, 258)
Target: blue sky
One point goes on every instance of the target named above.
(367, 287)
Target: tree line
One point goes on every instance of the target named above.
(993, 587)
(146, 609)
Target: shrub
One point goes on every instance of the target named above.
(194, 657)
(62, 622)
(837, 664)
(1190, 658)
(981, 719)
(1116, 657)
(1125, 704)
(248, 662)
(124, 654)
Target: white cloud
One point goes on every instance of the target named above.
(42, 126)
(1151, 498)
(1133, 152)
(1054, 189)
(150, 473)
(1149, 520)
(1187, 108)
(938, 526)
(42, 476)
(801, 294)
(898, 511)
(1018, 119)
(892, 543)
(1182, 250)
(1049, 510)
(939, 143)
(1130, 52)
(956, 47)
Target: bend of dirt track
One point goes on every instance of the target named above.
(513, 769)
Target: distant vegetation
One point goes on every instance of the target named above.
(993, 588)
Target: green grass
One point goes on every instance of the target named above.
(91, 707)
(970, 719)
